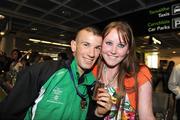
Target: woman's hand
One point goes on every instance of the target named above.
(104, 103)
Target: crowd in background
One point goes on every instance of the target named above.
(17, 61)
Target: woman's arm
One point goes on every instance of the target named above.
(145, 102)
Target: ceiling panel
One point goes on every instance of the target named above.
(54, 18)
(43, 4)
(85, 20)
(66, 12)
(124, 6)
(82, 5)
(8, 5)
(102, 13)
(30, 12)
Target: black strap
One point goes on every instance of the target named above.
(72, 78)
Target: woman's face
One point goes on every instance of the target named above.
(114, 48)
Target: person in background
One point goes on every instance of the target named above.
(15, 56)
(4, 62)
(62, 56)
(167, 74)
(127, 81)
(46, 57)
(57, 90)
(15, 65)
(174, 86)
(35, 58)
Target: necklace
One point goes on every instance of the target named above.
(108, 82)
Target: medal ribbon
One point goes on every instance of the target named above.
(83, 101)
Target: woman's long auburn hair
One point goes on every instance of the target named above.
(128, 67)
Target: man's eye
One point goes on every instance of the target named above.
(98, 48)
(86, 44)
(121, 45)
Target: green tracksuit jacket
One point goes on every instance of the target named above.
(58, 98)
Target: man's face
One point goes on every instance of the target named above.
(14, 55)
(86, 49)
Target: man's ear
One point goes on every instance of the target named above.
(73, 46)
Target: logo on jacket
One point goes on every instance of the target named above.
(55, 96)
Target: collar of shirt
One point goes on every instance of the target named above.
(86, 79)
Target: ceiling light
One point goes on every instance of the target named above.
(146, 37)
(174, 52)
(34, 29)
(48, 42)
(2, 33)
(178, 33)
(156, 41)
(34, 40)
(60, 44)
(142, 46)
(28, 44)
(2, 17)
(66, 13)
(62, 35)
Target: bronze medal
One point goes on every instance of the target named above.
(83, 104)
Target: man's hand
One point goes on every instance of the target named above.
(18, 66)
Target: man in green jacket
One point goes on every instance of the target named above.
(58, 90)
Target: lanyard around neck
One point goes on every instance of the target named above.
(72, 78)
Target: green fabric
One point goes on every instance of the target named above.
(60, 100)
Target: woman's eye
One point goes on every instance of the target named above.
(108, 43)
(121, 45)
